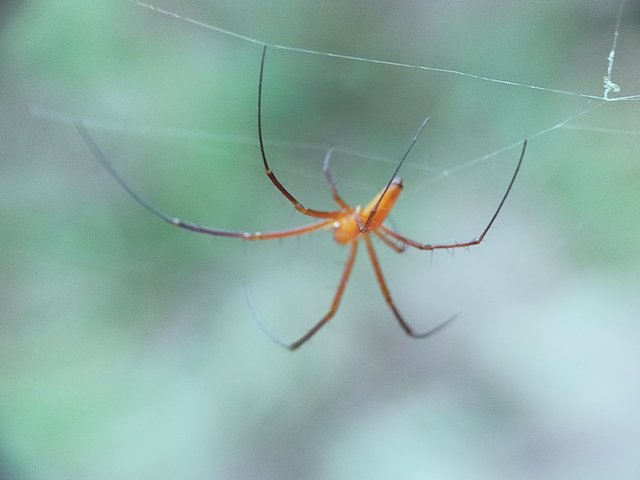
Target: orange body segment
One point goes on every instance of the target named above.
(347, 227)
(384, 206)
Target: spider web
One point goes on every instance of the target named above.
(609, 94)
(608, 84)
(581, 112)
(610, 91)
(602, 103)
(580, 106)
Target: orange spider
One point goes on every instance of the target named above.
(349, 224)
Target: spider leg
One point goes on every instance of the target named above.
(470, 243)
(334, 305)
(272, 176)
(331, 182)
(389, 242)
(365, 227)
(185, 224)
(389, 299)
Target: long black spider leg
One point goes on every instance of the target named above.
(272, 176)
(185, 224)
(477, 240)
(365, 227)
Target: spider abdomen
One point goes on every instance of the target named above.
(348, 226)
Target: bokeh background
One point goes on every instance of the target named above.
(129, 349)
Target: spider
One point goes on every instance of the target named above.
(349, 224)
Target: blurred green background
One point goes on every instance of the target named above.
(128, 349)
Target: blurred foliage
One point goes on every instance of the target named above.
(127, 348)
